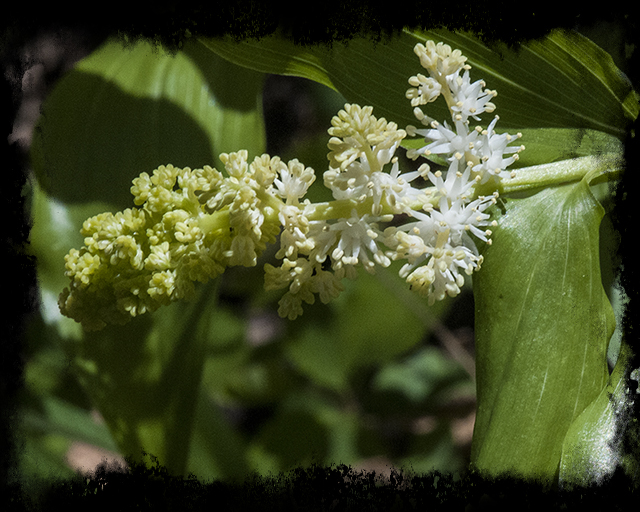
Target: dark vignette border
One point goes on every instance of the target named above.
(312, 488)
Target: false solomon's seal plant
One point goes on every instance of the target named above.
(465, 200)
(192, 224)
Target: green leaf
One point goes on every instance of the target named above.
(123, 111)
(560, 81)
(546, 145)
(543, 322)
(144, 378)
(42, 462)
(71, 422)
(591, 451)
(307, 427)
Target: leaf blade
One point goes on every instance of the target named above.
(560, 81)
(541, 343)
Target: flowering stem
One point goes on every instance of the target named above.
(607, 167)
(214, 221)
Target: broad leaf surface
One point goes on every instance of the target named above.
(593, 448)
(560, 81)
(543, 323)
(122, 111)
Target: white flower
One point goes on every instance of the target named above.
(356, 238)
(327, 285)
(439, 58)
(294, 181)
(360, 181)
(350, 183)
(456, 185)
(396, 187)
(459, 217)
(440, 275)
(294, 233)
(356, 132)
(470, 98)
(444, 140)
(424, 90)
(490, 151)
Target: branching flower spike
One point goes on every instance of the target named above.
(190, 225)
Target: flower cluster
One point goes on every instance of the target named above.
(192, 224)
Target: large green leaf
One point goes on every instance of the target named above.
(122, 111)
(593, 447)
(561, 81)
(543, 323)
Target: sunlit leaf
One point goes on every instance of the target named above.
(560, 81)
(592, 449)
(122, 111)
(543, 323)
